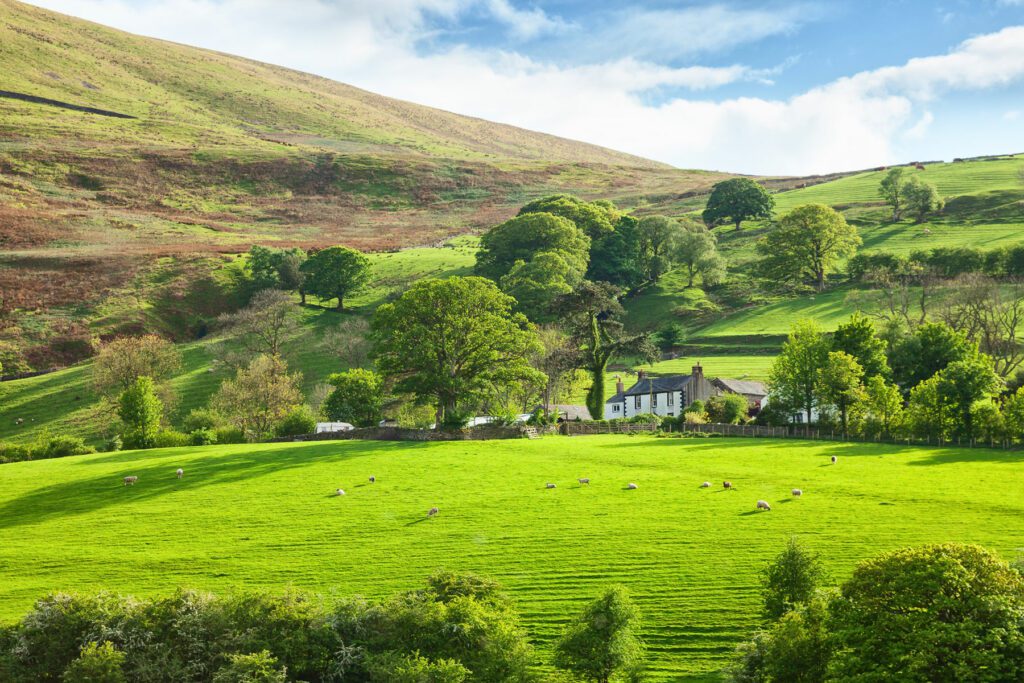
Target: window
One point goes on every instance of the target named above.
(671, 398)
(615, 408)
(636, 402)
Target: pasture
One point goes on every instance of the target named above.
(264, 516)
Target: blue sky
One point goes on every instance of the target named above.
(777, 87)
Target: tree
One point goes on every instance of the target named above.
(593, 219)
(1013, 410)
(929, 415)
(841, 384)
(963, 383)
(396, 667)
(892, 189)
(349, 342)
(697, 251)
(795, 649)
(289, 272)
(97, 663)
(259, 396)
(591, 314)
(883, 407)
(335, 273)
(790, 579)
(262, 267)
(806, 245)
(656, 237)
(922, 199)
(141, 411)
(452, 342)
(262, 327)
(930, 348)
(534, 284)
(559, 361)
(857, 337)
(793, 376)
(728, 408)
(603, 642)
(358, 397)
(990, 313)
(525, 236)
(936, 613)
(616, 256)
(258, 667)
(122, 361)
(737, 199)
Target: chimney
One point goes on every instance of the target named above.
(619, 386)
(640, 375)
(698, 372)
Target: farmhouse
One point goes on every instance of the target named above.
(659, 395)
(754, 392)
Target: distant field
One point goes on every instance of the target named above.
(734, 366)
(828, 309)
(264, 517)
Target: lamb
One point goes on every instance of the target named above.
(726, 484)
(631, 486)
(372, 479)
(180, 473)
(341, 492)
(549, 485)
(834, 459)
(130, 481)
(763, 505)
(584, 480)
(432, 511)
(706, 485)
(797, 492)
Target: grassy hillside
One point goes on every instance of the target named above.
(265, 516)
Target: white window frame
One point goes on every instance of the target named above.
(638, 402)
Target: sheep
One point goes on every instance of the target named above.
(706, 485)
(549, 485)
(180, 473)
(584, 480)
(726, 484)
(834, 460)
(432, 511)
(797, 492)
(631, 486)
(763, 505)
(130, 481)
(340, 492)
(372, 479)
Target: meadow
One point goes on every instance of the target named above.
(265, 516)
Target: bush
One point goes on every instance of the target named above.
(202, 437)
(259, 667)
(358, 397)
(603, 641)
(790, 580)
(300, 420)
(46, 447)
(113, 444)
(201, 418)
(728, 408)
(13, 452)
(230, 435)
(394, 667)
(170, 438)
(98, 663)
(693, 418)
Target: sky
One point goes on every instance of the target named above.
(764, 87)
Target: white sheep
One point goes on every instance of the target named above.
(341, 492)
(432, 511)
(372, 479)
(549, 485)
(180, 473)
(797, 492)
(631, 486)
(726, 484)
(584, 480)
(130, 481)
(763, 505)
(834, 460)
(706, 485)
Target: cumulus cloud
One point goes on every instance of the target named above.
(387, 46)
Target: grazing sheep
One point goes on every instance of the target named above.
(584, 480)
(706, 485)
(130, 481)
(834, 459)
(432, 511)
(341, 492)
(372, 479)
(726, 484)
(763, 505)
(549, 485)
(180, 473)
(797, 492)
(631, 486)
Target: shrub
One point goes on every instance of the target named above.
(140, 410)
(693, 418)
(13, 452)
(796, 648)
(201, 418)
(358, 397)
(728, 408)
(230, 435)
(394, 667)
(98, 663)
(604, 640)
(301, 420)
(790, 580)
(202, 437)
(259, 667)
(113, 444)
(170, 438)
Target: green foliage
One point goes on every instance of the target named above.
(140, 411)
(930, 348)
(171, 438)
(201, 418)
(271, 268)
(357, 398)
(727, 408)
(737, 200)
(335, 273)
(203, 437)
(98, 663)
(793, 377)
(258, 667)
(857, 337)
(928, 415)
(883, 408)
(841, 385)
(536, 283)
(656, 241)
(299, 420)
(527, 235)
(258, 397)
(393, 667)
(892, 189)
(922, 199)
(962, 384)
(795, 649)
(453, 342)
(806, 245)
(791, 579)
(1013, 411)
(603, 643)
(936, 613)
(697, 252)
(616, 257)
(670, 335)
(593, 219)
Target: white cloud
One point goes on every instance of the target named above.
(1011, 115)
(867, 119)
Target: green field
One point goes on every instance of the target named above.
(264, 517)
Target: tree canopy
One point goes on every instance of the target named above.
(737, 200)
(922, 199)
(697, 252)
(358, 397)
(593, 219)
(793, 377)
(335, 273)
(892, 190)
(929, 349)
(604, 640)
(805, 245)
(525, 236)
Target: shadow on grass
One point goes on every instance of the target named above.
(157, 478)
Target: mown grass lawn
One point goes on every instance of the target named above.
(264, 517)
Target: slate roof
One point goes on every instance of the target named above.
(655, 385)
(740, 386)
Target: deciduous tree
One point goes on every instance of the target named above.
(523, 237)
(793, 377)
(857, 337)
(841, 385)
(922, 199)
(122, 361)
(604, 641)
(262, 327)
(335, 273)
(883, 407)
(892, 190)
(963, 383)
(737, 200)
(697, 252)
(358, 397)
(806, 245)
(930, 348)
(259, 396)
(791, 579)
(593, 219)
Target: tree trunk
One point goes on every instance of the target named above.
(302, 296)
(821, 280)
(738, 221)
(341, 304)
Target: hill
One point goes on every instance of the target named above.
(212, 153)
(264, 516)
